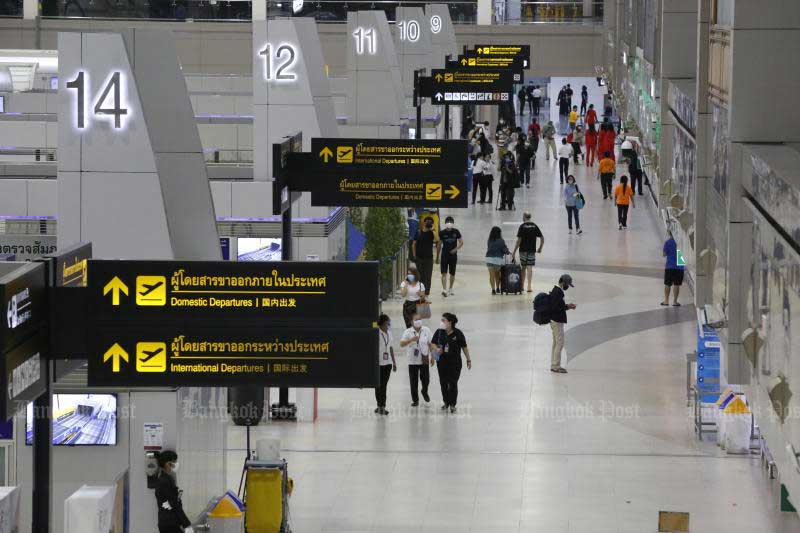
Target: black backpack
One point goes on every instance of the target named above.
(541, 309)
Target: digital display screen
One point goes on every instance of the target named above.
(80, 420)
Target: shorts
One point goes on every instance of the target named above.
(673, 277)
(494, 263)
(448, 262)
(527, 259)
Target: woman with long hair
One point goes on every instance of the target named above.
(496, 250)
(413, 292)
(623, 195)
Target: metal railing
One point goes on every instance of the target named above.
(324, 11)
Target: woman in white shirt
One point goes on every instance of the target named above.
(417, 342)
(413, 291)
(386, 362)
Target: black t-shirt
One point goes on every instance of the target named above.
(451, 344)
(424, 240)
(449, 238)
(528, 233)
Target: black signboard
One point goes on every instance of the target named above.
(457, 87)
(348, 157)
(265, 293)
(72, 266)
(521, 51)
(23, 298)
(183, 323)
(400, 190)
(24, 377)
(224, 356)
(281, 197)
(472, 61)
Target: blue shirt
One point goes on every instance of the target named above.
(570, 189)
(671, 251)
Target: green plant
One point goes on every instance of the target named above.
(356, 216)
(385, 229)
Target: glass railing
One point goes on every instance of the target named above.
(324, 11)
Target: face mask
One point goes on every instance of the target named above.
(565, 287)
(418, 323)
(449, 225)
(443, 324)
(527, 144)
(410, 277)
(429, 226)
(175, 466)
(502, 122)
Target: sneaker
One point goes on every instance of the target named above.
(452, 293)
(620, 227)
(444, 407)
(579, 231)
(414, 404)
(494, 292)
(377, 410)
(444, 293)
(570, 232)
(426, 397)
(385, 412)
(453, 409)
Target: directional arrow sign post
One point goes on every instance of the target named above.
(115, 287)
(460, 86)
(114, 354)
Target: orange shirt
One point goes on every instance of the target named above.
(607, 166)
(623, 195)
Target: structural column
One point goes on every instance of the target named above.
(704, 165)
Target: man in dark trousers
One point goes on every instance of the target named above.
(635, 171)
(171, 518)
(558, 317)
(422, 248)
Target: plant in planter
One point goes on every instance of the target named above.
(385, 229)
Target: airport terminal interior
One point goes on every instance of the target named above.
(275, 266)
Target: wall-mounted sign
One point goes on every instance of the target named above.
(398, 190)
(409, 30)
(366, 40)
(110, 104)
(72, 266)
(23, 375)
(278, 62)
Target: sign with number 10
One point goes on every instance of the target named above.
(109, 105)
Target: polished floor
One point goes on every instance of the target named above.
(601, 449)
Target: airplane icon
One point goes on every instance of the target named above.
(151, 290)
(151, 357)
(150, 354)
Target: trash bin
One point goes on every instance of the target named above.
(227, 516)
(738, 425)
(724, 400)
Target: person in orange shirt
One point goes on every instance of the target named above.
(591, 145)
(623, 194)
(606, 176)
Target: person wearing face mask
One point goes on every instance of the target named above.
(171, 517)
(422, 248)
(413, 292)
(525, 155)
(570, 196)
(386, 362)
(417, 342)
(449, 342)
(558, 317)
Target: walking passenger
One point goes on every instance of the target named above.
(527, 234)
(413, 292)
(635, 170)
(450, 341)
(496, 250)
(537, 100)
(450, 242)
(549, 136)
(558, 318)
(623, 195)
(591, 116)
(571, 193)
(673, 270)
(525, 156)
(417, 342)
(564, 153)
(606, 176)
(591, 145)
(386, 362)
(584, 99)
(521, 95)
(573, 118)
(171, 516)
(422, 248)
(577, 141)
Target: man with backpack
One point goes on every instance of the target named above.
(527, 234)
(551, 308)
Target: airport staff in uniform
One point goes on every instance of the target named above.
(450, 341)
(171, 518)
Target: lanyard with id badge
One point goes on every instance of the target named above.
(385, 339)
(418, 350)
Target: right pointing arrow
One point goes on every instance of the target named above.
(326, 154)
(452, 192)
(115, 353)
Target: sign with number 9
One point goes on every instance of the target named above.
(436, 24)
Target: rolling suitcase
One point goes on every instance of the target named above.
(511, 279)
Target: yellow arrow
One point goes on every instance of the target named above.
(326, 154)
(115, 353)
(115, 286)
(452, 192)
(438, 77)
(463, 61)
(480, 50)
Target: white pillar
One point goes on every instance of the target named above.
(30, 9)
(588, 8)
(259, 10)
(485, 12)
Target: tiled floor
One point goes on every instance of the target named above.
(601, 449)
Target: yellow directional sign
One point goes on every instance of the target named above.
(151, 290)
(452, 192)
(433, 191)
(438, 77)
(115, 287)
(115, 353)
(151, 357)
(480, 50)
(448, 77)
(344, 154)
(326, 154)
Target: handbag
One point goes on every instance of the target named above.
(580, 201)
(424, 310)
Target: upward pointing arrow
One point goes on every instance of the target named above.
(115, 353)
(438, 77)
(463, 61)
(480, 50)
(438, 96)
(115, 286)
(326, 154)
